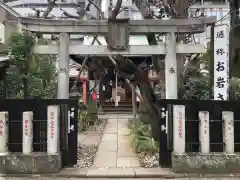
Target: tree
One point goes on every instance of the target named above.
(29, 74)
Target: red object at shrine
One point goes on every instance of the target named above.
(94, 96)
(84, 85)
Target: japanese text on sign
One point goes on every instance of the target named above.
(26, 127)
(52, 124)
(1, 127)
(180, 125)
(230, 127)
(221, 65)
(205, 127)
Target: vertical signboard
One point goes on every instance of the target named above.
(221, 62)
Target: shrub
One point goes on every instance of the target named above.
(87, 115)
(141, 139)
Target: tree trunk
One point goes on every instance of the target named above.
(25, 87)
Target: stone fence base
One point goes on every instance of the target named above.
(202, 163)
(35, 163)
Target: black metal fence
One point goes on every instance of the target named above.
(215, 109)
(192, 108)
(15, 109)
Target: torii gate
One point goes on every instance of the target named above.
(123, 28)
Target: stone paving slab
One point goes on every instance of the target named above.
(124, 131)
(109, 126)
(110, 130)
(105, 159)
(108, 146)
(115, 147)
(123, 153)
(109, 137)
(131, 161)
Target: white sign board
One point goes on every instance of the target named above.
(221, 62)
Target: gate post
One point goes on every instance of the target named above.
(3, 133)
(204, 134)
(27, 132)
(228, 118)
(179, 129)
(171, 67)
(52, 130)
(171, 93)
(63, 64)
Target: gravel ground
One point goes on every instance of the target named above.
(148, 161)
(86, 155)
(87, 152)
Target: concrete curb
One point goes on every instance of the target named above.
(163, 173)
(121, 176)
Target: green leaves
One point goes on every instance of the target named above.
(39, 71)
(141, 139)
(20, 52)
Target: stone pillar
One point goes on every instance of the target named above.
(228, 129)
(63, 71)
(204, 134)
(3, 133)
(179, 129)
(171, 67)
(52, 130)
(27, 132)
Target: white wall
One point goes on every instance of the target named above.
(2, 33)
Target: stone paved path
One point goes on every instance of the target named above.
(115, 147)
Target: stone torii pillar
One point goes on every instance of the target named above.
(171, 74)
(63, 64)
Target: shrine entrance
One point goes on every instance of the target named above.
(116, 94)
(119, 45)
(115, 88)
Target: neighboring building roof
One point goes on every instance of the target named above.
(9, 9)
(31, 3)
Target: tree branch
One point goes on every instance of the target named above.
(116, 9)
(82, 67)
(125, 79)
(68, 14)
(38, 11)
(98, 8)
(51, 5)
